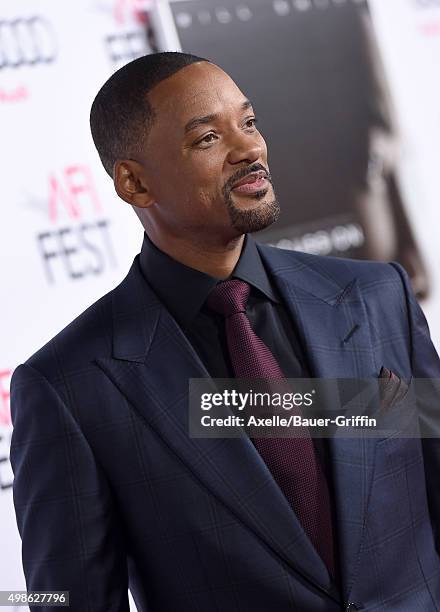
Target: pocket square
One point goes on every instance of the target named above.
(392, 389)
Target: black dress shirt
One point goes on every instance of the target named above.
(183, 292)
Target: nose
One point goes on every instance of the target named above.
(247, 148)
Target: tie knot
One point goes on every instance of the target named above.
(229, 297)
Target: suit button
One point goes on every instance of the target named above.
(352, 607)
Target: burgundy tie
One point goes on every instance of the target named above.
(292, 461)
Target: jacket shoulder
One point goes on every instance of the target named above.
(341, 270)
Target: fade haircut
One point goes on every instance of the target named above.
(121, 115)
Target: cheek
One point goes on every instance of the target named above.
(206, 198)
(192, 177)
(197, 201)
(206, 178)
(204, 203)
(206, 168)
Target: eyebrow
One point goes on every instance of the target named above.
(196, 121)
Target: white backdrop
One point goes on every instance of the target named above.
(408, 32)
(66, 239)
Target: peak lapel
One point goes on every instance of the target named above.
(332, 325)
(151, 365)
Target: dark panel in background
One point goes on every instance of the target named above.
(313, 72)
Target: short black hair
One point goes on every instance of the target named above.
(121, 116)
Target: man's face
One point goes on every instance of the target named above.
(202, 143)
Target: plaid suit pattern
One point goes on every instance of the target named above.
(110, 491)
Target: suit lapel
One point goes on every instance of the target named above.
(153, 361)
(151, 365)
(332, 324)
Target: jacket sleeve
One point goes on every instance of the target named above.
(425, 365)
(72, 539)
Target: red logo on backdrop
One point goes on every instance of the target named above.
(124, 45)
(16, 94)
(134, 8)
(5, 413)
(66, 190)
(82, 246)
(430, 27)
(6, 475)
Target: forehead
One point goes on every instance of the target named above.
(198, 89)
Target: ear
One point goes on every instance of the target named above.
(131, 183)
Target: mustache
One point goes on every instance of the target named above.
(242, 173)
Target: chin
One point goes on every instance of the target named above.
(257, 218)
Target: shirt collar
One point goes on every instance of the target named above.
(183, 290)
(250, 268)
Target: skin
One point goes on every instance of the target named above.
(180, 185)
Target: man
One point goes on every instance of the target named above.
(111, 491)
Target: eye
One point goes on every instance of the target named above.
(212, 136)
(251, 122)
(207, 139)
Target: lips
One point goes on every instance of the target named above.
(259, 186)
(250, 178)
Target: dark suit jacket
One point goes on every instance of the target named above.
(111, 492)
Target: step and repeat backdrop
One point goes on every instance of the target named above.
(348, 98)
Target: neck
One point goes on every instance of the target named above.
(217, 260)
